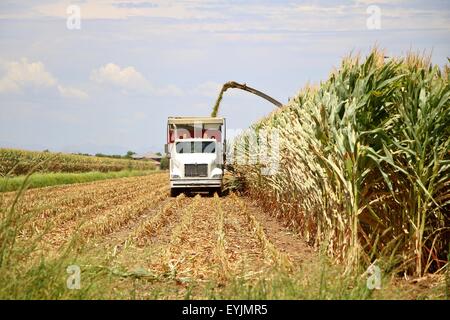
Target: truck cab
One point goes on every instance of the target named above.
(196, 149)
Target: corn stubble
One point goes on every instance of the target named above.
(365, 163)
(92, 209)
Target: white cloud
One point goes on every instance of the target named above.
(130, 80)
(248, 20)
(127, 78)
(23, 75)
(169, 90)
(207, 89)
(374, 2)
(71, 92)
(107, 9)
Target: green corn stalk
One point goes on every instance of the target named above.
(364, 163)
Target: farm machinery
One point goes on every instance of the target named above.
(196, 147)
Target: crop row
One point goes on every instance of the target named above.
(20, 162)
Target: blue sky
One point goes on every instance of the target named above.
(110, 85)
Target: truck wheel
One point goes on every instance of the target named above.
(174, 192)
(216, 190)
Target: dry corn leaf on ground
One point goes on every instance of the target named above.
(132, 240)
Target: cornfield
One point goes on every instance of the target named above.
(19, 162)
(364, 163)
(363, 175)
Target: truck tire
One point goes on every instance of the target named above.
(174, 192)
(216, 190)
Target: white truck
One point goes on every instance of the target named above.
(196, 149)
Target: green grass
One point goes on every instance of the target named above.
(40, 180)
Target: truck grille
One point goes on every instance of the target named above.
(195, 170)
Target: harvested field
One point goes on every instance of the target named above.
(131, 240)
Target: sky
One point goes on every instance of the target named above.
(103, 75)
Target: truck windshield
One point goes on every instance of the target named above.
(196, 147)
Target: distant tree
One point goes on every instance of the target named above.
(46, 151)
(116, 156)
(129, 154)
(164, 164)
(158, 154)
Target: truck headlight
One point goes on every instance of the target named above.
(216, 173)
(176, 174)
